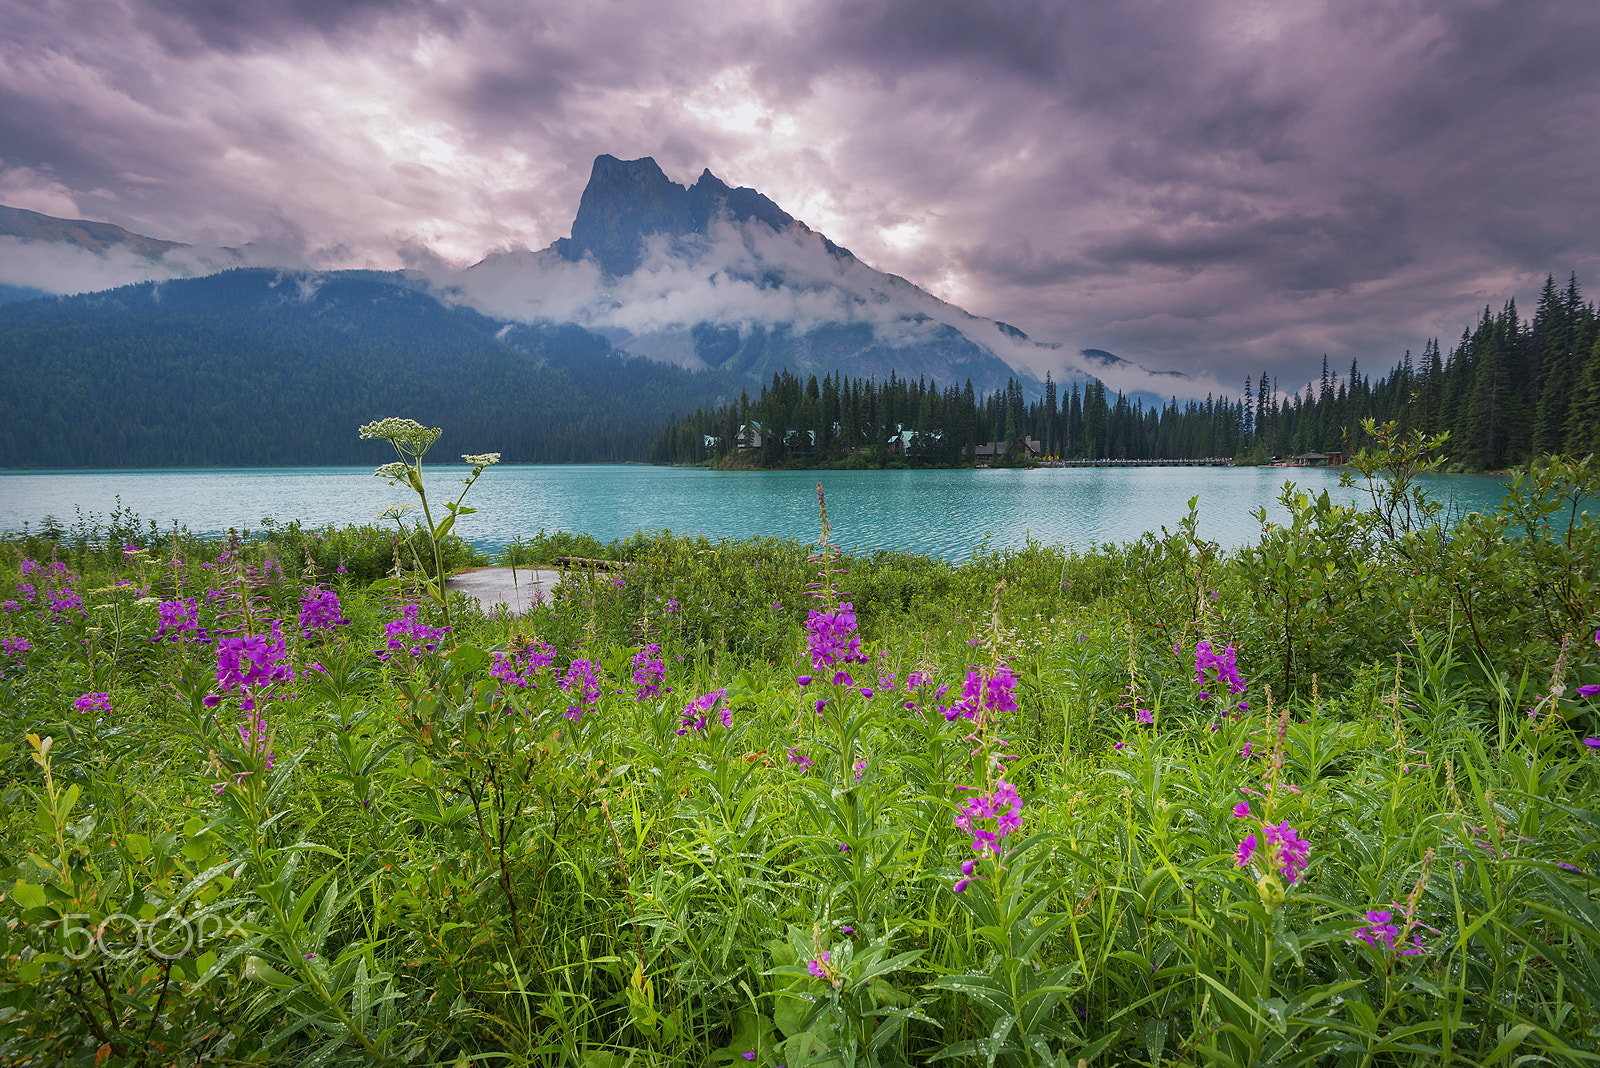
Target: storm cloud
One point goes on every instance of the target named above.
(1221, 187)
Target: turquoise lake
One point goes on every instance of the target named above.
(940, 513)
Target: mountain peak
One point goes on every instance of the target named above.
(624, 202)
(628, 201)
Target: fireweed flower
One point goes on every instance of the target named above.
(831, 638)
(582, 680)
(979, 694)
(648, 671)
(64, 602)
(1592, 743)
(1588, 691)
(1247, 851)
(319, 613)
(93, 702)
(1146, 717)
(408, 634)
(1222, 668)
(990, 817)
(249, 665)
(697, 714)
(520, 666)
(799, 758)
(1378, 929)
(180, 621)
(1241, 810)
(15, 647)
(1279, 847)
(819, 965)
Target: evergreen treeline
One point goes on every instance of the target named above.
(1508, 390)
(256, 367)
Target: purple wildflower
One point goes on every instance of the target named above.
(583, 681)
(1288, 849)
(180, 621)
(250, 664)
(648, 671)
(1588, 691)
(1242, 810)
(93, 702)
(1592, 743)
(1146, 717)
(1378, 929)
(319, 613)
(1003, 806)
(697, 713)
(408, 634)
(520, 665)
(831, 638)
(797, 757)
(15, 647)
(819, 965)
(979, 694)
(860, 766)
(1222, 667)
(64, 602)
(1247, 851)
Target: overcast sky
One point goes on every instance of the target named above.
(1221, 185)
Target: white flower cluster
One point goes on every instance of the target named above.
(395, 472)
(482, 459)
(408, 435)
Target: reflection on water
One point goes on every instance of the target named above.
(941, 513)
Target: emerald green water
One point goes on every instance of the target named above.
(940, 513)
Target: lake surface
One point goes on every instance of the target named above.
(940, 513)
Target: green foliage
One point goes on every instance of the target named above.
(450, 853)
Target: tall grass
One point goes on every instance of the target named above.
(452, 854)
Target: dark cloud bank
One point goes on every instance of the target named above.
(1204, 185)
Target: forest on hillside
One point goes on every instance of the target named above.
(1509, 389)
(260, 368)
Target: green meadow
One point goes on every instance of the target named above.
(1325, 800)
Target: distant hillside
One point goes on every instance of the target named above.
(253, 367)
(94, 236)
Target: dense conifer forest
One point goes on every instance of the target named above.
(263, 368)
(256, 367)
(1507, 390)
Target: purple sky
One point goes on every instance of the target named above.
(1216, 185)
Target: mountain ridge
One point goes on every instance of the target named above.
(706, 276)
